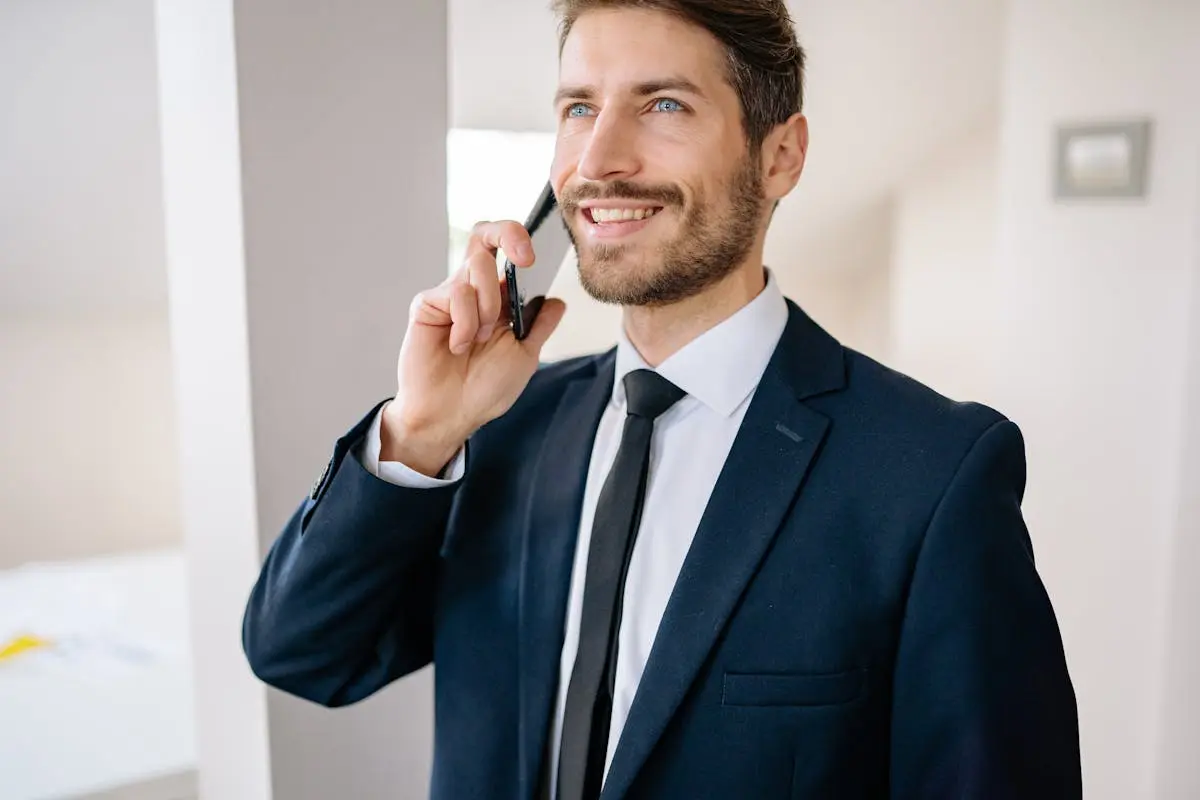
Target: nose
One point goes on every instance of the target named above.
(611, 151)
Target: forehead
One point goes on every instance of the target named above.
(617, 48)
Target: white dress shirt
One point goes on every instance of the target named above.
(720, 371)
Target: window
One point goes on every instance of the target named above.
(492, 175)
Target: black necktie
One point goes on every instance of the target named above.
(618, 512)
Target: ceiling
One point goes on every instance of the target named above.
(889, 84)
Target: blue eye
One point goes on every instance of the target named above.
(668, 105)
(577, 110)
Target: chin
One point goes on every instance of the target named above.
(608, 282)
(624, 281)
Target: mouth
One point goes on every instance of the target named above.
(614, 220)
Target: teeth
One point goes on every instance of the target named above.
(621, 214)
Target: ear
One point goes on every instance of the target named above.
(783, 153)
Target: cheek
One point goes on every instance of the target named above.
(559, 173)
(568, 149)
(682, 156)
(668, 147)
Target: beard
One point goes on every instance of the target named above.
(712, 242)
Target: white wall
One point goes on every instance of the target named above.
(1093, 337)
(80, 215)
(1177, 774)
(205, 253)
(842, 278)
(944, 241)
(88, 456)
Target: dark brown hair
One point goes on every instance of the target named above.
(765, 62)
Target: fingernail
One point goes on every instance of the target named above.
(459, 349)
(485, 333)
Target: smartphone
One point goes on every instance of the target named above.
(527, 286)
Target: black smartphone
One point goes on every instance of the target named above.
(527, 286)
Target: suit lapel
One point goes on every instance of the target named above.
(776, 444)
(548, 550)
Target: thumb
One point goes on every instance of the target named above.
(548, 317)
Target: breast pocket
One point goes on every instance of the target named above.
(794, 690)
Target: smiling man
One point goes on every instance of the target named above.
(729, 558)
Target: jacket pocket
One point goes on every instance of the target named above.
(827, 689)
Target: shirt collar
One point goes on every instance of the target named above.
(723, 365)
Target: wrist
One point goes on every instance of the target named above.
(425, 448)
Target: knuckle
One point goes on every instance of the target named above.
(489, 304)
(479, 269)
(464, 291)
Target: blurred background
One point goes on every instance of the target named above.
(214, 214)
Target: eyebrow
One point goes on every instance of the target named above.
(641, 90)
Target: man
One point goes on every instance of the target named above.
(729, 558)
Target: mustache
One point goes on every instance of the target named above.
(663, 194)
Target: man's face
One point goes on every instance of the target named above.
(652, 169)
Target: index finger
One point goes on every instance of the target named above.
(507, 235)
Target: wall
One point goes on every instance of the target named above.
(80, 214)
(842, 278)
(293, 135)
(942, 262)
(88, 456)
(1177, 773)
(1093, 321)
(87, 440)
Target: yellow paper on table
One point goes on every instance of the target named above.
(21, 644)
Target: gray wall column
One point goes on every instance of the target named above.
(304, 173)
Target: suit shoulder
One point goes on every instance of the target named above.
(904, 442)
(898, 407)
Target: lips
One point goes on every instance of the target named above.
(608, 224)
(610, 215)
(617, 209)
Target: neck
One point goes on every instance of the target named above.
(659, 332)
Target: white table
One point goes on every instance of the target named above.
(111, 706)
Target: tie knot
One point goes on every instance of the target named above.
(649, 395)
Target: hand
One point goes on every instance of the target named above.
(460, 365)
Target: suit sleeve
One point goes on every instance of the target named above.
(983, 705)
(345, 599)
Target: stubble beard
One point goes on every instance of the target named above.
(708, 247)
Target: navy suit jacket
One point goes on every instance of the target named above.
(859, 615)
